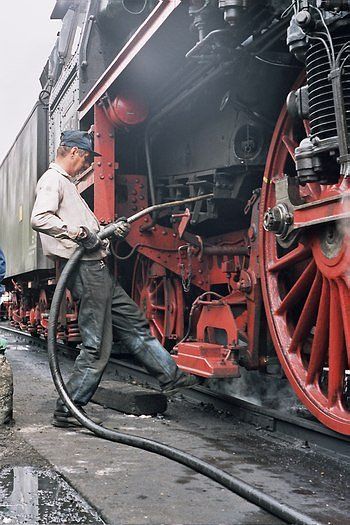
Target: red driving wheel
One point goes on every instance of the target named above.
(160, 298)
(306, 293)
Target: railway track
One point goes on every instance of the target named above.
(311, 433)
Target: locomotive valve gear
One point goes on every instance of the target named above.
(89, 240)
(122, 228)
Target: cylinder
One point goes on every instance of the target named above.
(322, 111)
(125, 111)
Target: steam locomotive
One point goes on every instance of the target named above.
(246, 99)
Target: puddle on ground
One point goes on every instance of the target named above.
(40, 496)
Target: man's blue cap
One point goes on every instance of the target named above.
(79, 139)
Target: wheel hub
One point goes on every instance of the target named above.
(331, 241)
(278, 220)
(329, 249)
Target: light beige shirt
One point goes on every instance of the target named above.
(58, 213)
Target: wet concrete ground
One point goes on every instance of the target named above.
(31, 495)
(130, 486)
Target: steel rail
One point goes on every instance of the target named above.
(310, 432)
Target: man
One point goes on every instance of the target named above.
(2, 270)
(64, 220)
(3, 342)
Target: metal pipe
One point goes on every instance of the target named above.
(152, 189)
(340, 118)
(109, 230)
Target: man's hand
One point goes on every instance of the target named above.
(88, 240)
(122, 228)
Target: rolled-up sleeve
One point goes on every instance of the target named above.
(44, 217)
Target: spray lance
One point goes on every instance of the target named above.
(246, 491)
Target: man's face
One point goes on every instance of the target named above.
(82, 160)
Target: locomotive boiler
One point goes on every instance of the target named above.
(245, 99)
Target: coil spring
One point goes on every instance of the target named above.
(322, 112)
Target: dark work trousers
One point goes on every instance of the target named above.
(104, 308)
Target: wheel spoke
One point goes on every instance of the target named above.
(144, 268)
(299, 290)
(308, 315)
(158, 307)
(320, 341)
(157, 286)
(159, 328)
(300, 253)
(336, 350)
(345, 310)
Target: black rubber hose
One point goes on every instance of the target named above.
(246, 491)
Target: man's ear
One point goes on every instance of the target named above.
(74, 150)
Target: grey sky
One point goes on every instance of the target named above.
(26, 38)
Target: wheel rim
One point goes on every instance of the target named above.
(159, 297)
(306, 295)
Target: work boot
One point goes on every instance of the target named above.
(64, 418)
(182, 382)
